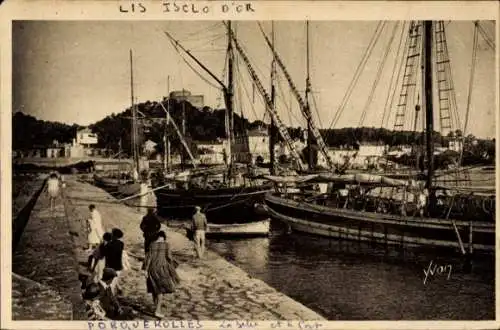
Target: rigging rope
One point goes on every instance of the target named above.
(220, 98)
(238, 96)
(357, 73)
(246, 93)
(415, 100)
(315, 106)
(288, 106)
(400, 77)
(311, 93)
(192, 68)
(212, 27)
(471, 82)
(404, 51)
(378, 75)
(208, 50)
(203, 40)
(391, 89)
(485, 36)
(449, 74)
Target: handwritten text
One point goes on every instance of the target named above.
(435, 269)
(235, 7)
(181, 324)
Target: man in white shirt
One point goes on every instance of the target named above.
(199, 226)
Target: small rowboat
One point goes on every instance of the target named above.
(237, 230)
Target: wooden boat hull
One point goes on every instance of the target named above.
(221, 206)
(236, 230)
(105, 182)
(379, 228)
(129, 189)
(117, 186)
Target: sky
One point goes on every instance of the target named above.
(79, 71)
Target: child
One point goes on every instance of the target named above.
(108, 298)
(107, 295)
(95, 312)
(96, 259)
(113, 254)
(53, 189)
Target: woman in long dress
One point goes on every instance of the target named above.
(161, 276)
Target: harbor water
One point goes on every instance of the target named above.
(356, 281)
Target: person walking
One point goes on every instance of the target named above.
(53, 187)
(161, 276)
(95, 229)
(96, 260)
(199, 228)
(150, 226)
(113, 255)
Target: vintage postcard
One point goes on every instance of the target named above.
(249, 164)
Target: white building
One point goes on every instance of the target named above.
(211, 153)
(367, 150)
(367, 155)
(86, 138)
(83, 143)
(252, 147)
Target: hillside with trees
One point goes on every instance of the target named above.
(208, 124)
(27, 131)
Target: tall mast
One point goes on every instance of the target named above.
(166, 142)
(428, 94)
(183, 125)
(272, 128)
(307, 92)
(134, 119)
(230, 93)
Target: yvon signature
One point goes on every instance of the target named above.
(435, 269)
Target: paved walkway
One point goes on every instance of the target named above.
(211, 289)
(45, 262)
(34, 301)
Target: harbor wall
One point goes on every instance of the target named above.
(45, 278)
(24, 199)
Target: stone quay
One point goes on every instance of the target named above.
(51, 256)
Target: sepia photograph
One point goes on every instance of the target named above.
(196, 170)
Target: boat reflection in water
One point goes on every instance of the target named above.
(253, 252)
(345, 280)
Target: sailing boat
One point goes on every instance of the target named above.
(337, 214)
(229, 197)
(120, 184)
